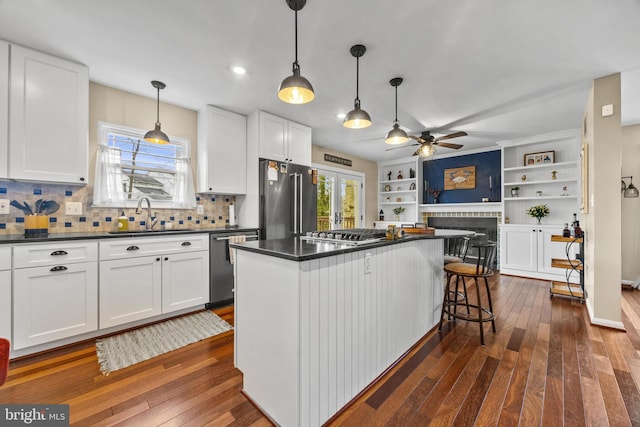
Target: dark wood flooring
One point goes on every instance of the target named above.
(546, 365)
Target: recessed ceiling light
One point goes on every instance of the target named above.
(341, 116)
(239, 70)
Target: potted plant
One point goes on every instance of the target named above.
(538, 212)
(398, 211)
(514, 191)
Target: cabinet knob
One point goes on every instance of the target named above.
(59, 268)
(133, 248)
(59, 253)
(186, 243)
(82, 179)
(166, 258)
(158, 259)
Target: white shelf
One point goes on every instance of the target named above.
(399, 181)
(398, 192)
(461, 207)
(545, 181)
(407, 202)
(513, 199)
(543, 166)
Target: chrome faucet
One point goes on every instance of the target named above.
(150, 222)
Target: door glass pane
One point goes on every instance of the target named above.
(350, 202)
(325, 202)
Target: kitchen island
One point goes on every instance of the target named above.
(316, 322)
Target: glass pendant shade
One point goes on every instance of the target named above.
(629, 191)
(156, 136)
(426, 151)
(396, 136)
(295, 89)
(357, 118)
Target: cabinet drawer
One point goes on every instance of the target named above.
(54, 253)
(5, 258)
(127, 248)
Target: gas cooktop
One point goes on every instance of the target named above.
(351, 236)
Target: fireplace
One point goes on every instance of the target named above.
(486, 229)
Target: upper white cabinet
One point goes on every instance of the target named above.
(222, 151)
(4, 108)
(545, 170)
(281, 139)
(49, 118)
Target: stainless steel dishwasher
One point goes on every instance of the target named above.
(220, 267)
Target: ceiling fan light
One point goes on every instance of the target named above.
(357, 118)
(295, 89)
(396, 136)
(426, 151)
(156, 136)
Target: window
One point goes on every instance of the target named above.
(128, 167)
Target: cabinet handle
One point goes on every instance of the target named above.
(158, 259)
(59, 268)
(58, 253)
(186, 243)
(82, 179)
(166, 258)
(133, 248)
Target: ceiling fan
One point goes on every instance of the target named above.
(426, 141)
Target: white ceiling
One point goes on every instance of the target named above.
(495, 69)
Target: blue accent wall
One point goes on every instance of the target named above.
(487, 165)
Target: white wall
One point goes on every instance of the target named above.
(631, 207)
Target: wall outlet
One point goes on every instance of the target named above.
(200, 209)
(4, 206)
(73, 208)
(367, 263)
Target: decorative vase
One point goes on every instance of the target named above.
(397, 217)
(435, 200)
(538, 220)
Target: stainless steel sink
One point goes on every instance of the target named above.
(151, 231)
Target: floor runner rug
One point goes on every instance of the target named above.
(123, 350)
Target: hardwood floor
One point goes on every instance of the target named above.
(545, 366)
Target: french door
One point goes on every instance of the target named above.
(340, 200)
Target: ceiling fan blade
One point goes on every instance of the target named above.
(448, 145)
(416, 153)
(403, 146)
(450, 136)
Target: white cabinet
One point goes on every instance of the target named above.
(281, 139)
(527, 250)
(222, 151)
(54, 296)
(142, 278)
(554, 182)
(398, 189)
(5, 292)
(4, 108)
(49, 118)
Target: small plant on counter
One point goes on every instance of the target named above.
(398, 210)
(538, 212)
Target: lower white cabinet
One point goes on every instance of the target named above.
(5, 292)
(527, 250)
(152, 276)
(130, 290)
(54, 301)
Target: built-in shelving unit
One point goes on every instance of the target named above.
(567, 288)
(398, 192)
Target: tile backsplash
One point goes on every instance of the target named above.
(215, 210)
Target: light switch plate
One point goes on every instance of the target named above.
(73, 208)
(607, 110)
(200, 209)
(4, 206)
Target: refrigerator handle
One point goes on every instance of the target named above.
(300, 204)
(340, 218)
(335, 218)
(295, 202)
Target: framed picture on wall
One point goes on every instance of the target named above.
(541, 158)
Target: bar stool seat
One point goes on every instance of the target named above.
(482, 269)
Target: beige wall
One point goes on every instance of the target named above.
(631, 207)
(369, 168)
(602, 223)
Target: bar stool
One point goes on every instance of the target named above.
(456, 250)
(482, 269)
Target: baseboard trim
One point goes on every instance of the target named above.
(603, 322)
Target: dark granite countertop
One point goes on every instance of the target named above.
(296, 249)
(52, 237)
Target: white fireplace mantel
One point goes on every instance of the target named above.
(461, 207)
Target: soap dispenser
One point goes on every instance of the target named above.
(123, 222)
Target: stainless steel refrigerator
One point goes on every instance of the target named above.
(288, 199)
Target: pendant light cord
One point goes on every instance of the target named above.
(158, 106)
(396, 120)
(358, 80)
(296, 33)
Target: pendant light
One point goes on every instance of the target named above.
(396, 135)
(156, 136)
(295, 89)
(357, 118)
(630, 191)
